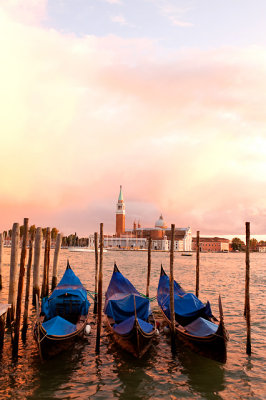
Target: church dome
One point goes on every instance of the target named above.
(160, 223)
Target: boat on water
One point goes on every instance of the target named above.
(84, 249)
(186, 254)
(128, 316)
(63, 316)
(194, 323)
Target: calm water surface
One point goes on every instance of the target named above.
(80, 374)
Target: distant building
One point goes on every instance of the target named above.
(137, 237)
(262, 248)
(211, 244)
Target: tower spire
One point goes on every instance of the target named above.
(120, 214)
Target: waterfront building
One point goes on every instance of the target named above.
(211, 244)
(137, 237)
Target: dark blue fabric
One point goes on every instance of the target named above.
(69, 298)
(126, 326)
(201, 327)
(119, 300)
(123, 308)
(186, 304)
(58, 326)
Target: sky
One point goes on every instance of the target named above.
(164, 97)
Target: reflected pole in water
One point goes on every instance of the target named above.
(26, 306)
(20, 284)
(172, 305)
(197, 263)
(100, 290)
(149, 267)
(96, 271)
(247, 299)
(1, 258)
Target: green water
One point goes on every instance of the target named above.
(80, 374)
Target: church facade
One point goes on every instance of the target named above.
(137, 237)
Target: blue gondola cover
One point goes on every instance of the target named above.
(126, 326)
(58, 326)
(201, 327)
(69, 298)
(119, 303)
(186, 304)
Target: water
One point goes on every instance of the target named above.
(79, 374)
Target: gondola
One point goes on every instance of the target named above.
(194, 323)
(129, 319)
(63, 316)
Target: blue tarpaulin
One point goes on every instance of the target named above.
(119, 301)
(68, 300)
(126, 326)
(186, 304)
(201, 327)
(58, 326)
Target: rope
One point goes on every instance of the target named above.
(149, 298)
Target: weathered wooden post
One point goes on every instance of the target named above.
(13, 272)
(247, 299)
(26, 307)
(172, 304)
(149, 268)
(36, 265)
(46, 264)
(20, 284)
(100, 289)
(96, 272)
(1, 258)
(197, 263)
(56, 257)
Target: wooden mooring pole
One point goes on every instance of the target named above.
(20, 284)
(100, 289)
(26, 307)
(13, 272)
(46, 265)
(149, 268)
(96, 272)
(247, 299)
(36, 265)
(56, 257)
(197, 263)
(172, 305)
(1, 259)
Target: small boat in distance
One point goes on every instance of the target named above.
(128, 316)
(194, 323)
(186, 254)
(63, 316)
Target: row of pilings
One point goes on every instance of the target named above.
(31, 244)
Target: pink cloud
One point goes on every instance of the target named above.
(80, 116)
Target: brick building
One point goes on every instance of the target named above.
(211, 244)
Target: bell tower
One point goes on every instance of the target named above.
(120, 214)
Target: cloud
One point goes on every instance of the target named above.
(121, 20)
(184, 135)
(114, 1)
(26, 11)
(174, 13)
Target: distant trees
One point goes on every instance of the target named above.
(237, 244)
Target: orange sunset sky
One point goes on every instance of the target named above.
(166, 98)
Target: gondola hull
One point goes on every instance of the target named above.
(195, 326)
(212, 346)
(136, 342)
(128, 316)
(51, 345)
